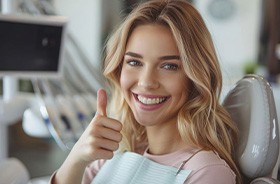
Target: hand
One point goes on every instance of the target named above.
(99, 141)
(102, 136)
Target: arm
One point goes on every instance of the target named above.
(99, 141)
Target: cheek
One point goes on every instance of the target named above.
(126, 80)
(181, 90)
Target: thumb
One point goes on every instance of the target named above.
(101, 102)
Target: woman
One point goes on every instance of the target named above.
(165, 84)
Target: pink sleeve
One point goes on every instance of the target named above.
(91, 171)
(214, 174)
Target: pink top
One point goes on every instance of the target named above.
(207, 167)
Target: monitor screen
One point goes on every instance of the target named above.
(31, 46)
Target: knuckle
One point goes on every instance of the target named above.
(90, 150)
(95, 130)
(96, 120)
(91, 140)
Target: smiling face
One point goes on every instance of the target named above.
(152, 78)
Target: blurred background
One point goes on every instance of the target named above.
(246, 35)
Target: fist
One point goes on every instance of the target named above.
(102, 136)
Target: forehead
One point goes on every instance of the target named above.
(151, 36)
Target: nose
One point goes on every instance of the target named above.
(148, 79)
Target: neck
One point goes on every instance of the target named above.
(164, 140)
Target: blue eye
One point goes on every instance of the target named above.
(170, 66)
(134, 63)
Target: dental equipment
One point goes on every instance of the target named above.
(40, 44)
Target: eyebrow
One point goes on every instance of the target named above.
(168, 57)
(132, 54)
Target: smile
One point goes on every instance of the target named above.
(150, 100)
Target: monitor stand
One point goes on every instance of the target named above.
(12, 107)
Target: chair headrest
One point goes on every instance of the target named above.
(251, 105)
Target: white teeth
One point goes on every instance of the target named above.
(150, 101)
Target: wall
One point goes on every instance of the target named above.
(235, 38)
(89, 21)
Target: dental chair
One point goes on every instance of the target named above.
(251, 105)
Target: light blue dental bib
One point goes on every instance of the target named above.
(132, 168)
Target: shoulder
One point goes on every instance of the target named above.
(206, 158)
(208, 167)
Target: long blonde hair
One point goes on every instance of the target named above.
(202, 121)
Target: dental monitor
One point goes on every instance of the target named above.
(31, 46)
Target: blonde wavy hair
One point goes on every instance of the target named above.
(202, 121)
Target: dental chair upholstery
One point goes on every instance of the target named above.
(251, 105)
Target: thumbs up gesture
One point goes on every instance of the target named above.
(99, 141)
(102, 136)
